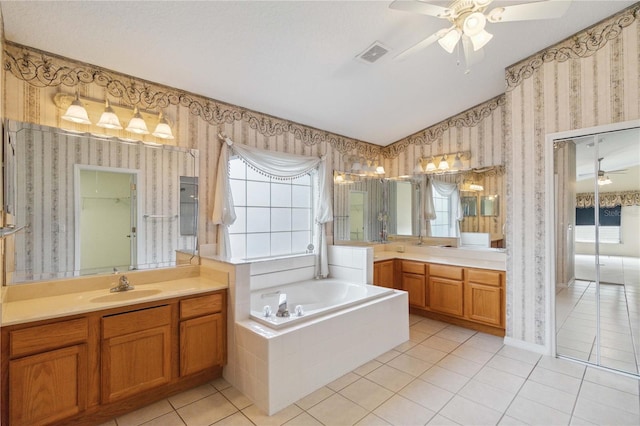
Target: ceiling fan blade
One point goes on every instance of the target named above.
(471, 57)
(421, 7)
(529, 11)
(418, 46)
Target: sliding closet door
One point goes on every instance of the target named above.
(598, 308)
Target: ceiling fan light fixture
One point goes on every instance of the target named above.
(474, 24)
(480, 3)
(449, 40)
(495, 15)
(480, 40)
(604, 180)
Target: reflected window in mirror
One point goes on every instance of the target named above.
(489, 205)
(469, 206)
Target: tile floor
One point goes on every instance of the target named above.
(444, 375)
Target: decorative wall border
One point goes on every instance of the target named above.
(469, 118)
(582, 45)
(609, 199)
(43, 69)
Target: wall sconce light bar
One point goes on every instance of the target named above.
(76, 108)
(447, 163)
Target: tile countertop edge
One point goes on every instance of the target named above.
(52, 307)
(454, 261)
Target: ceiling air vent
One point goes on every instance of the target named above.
(374, 52)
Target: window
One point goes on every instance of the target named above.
(442, 225)
(273, 217)
(609, 220)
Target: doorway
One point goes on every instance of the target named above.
(597, 292)
(357, 215)
(106, 219)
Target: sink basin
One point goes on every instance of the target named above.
(125, 295)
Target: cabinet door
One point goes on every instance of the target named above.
(383, 274)
(445, 296)
(484, 303)
(201, 343)
(415, 285)
(135, 362)
(48, 387)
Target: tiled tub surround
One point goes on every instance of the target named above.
(274, 368)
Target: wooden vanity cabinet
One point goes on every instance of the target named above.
(384, 273)
(47, 372)
(414, 283)
(446, 293)
(88, 368)
(484, 296)
(202, 342)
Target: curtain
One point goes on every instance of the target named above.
(224, 214)
(277, 165)
(445, 189)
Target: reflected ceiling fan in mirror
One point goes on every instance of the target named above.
(468, 20)
(603, 175)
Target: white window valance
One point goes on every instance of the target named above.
(277, 165)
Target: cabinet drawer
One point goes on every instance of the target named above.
(129, 322)
(46, 337)
(446, 271)
(484, 276)
(413, 267)
(203, 305)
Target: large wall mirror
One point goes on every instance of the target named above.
(91, 204)
(370, 209)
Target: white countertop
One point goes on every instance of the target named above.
(55, 306)
(469, 262)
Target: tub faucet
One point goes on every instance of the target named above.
(282, 306)
(123, 285)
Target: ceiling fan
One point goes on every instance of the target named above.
(468, 19)
(603, 175)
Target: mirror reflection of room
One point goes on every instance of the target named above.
(597, 249)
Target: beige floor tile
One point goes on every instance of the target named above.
(281, 417)
(207, 410)
(401, 411)
(601, 414)
(486, 342)
(439, 420)
(487, 395)
(510, 365)
(410, 365)
(366, 393)
(303, 419)
(236, 398)
(338, 410)
(191, 395)
(403, 347)
(426, 353)
(457, 334)
(367, 368)
(372, 420)
(428, 395)
(169, 419)
(467, 412)
(472, 354)
(612, 380)
(556, 380)
(109, 423)
(500, 379)
(220, 383)
(510, 421)
(445, 379)
(390, 378)
(314, 398)
(388, 356)
(145, 414)
(519, 354)
(460, 365)
(534, 413)
(548, 396)
(440, 343)
(417, 336)
(237, 419)
(612, 397)
(576, 421)
(562, 366)
(342, 382)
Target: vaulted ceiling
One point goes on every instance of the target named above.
(295, 60)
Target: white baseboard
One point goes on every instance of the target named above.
(532, 347)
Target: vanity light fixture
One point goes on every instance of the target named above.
(137, 124)
(457, 163)
(443, 166)
(476, 187)
(163, 130)
(431, 166)
(109, 119)
(380, 170)
(76, 113)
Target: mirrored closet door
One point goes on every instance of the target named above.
(597, 203)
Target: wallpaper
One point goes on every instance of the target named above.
(588, 80)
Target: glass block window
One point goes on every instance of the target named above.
(443, 223)
(274, 217)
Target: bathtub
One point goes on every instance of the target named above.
(310, 299)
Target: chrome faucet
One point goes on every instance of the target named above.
(123, 285)
(282, 306)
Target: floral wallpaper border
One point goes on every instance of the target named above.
(609, 199)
